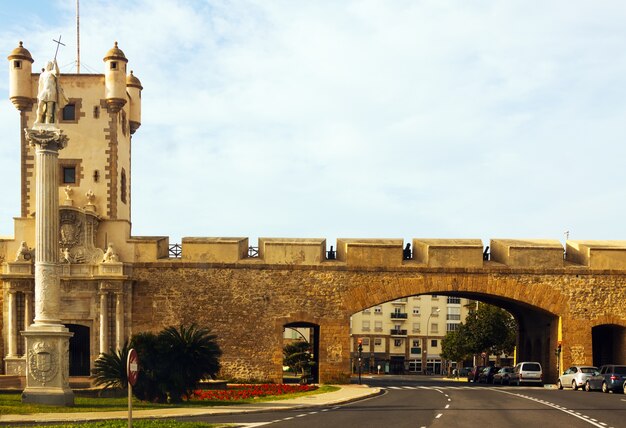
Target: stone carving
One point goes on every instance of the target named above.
(43, 362)
(111, 255)
(50, 96)
(68, 196)
(333, 353)
(77, 237)
(578, 354)
(90, 199)
(24, 254)
(46, 138)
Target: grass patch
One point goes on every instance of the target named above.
(11, 404)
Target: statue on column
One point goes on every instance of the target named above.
(50, 96)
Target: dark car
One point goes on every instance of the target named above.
(472, 376)
(611, 377)
(486, 376)
(464, 371)
(503, 376)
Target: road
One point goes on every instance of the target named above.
(415, 401)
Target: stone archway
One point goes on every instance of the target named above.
(309, 332)
(608, 344)
(79, 350)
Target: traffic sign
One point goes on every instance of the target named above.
(132, 367)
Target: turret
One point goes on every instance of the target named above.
(115, 79)
(133, 86)
(20, 87)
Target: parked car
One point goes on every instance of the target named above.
(486, 376)
(472, 376)
(575, 376)
(464, 371)
(610, 377)
(503, 376)
(527, 372)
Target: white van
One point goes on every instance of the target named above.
(527, 372)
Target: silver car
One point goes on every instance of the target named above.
(575, 377)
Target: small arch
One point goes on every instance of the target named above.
(310, 333)
(608, 344)
(79, 350)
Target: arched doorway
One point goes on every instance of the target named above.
(310, 333)
(79, 350)
(608, 344)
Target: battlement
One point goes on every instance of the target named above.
(389, 253)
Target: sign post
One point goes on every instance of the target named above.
(132, 371)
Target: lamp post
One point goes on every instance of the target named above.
(425, 364)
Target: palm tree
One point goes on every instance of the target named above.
(110, 369)
(189, 354)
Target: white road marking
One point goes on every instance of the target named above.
(439, 415)
(554, 406)
(299, 416)
(447, 406)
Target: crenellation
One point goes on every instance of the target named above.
(536, 253)
(466, 253)
(214, 250)
(293, 251)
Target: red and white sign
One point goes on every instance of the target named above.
(132, 367)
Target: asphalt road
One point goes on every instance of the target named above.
(414, 401)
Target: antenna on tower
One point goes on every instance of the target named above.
(77, 37)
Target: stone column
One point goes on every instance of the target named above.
(47, 340)
(104, 323)
(12, 348)
(119, 320)
(28, 308)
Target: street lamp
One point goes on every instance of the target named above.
(425, 364)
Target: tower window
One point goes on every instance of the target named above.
(69, 112)
(69, 174)
(17, 64)
(96, 176)
(113, 65)
(96, 112)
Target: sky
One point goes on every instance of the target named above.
(354, 119)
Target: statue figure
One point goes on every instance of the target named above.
(50, 96)
(110, 255)
(65, 257)
(23, 253)
(68, 193)
(90, 197)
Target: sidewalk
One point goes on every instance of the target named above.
(346, 394)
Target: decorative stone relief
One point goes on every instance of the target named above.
(333, 353)
(43, 362)
(578, 354)
(77, 236)
(68, 196)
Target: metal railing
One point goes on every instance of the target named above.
(399, 315)
(175, 251)
(395, 332)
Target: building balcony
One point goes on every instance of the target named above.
(416, 351)
(398, 316)
(395, 332)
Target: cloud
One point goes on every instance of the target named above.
(364, 118)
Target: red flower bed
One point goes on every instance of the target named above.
(243, 392)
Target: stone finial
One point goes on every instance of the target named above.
(68, 196)
(91, 197)
(110, 256)
(24, 254)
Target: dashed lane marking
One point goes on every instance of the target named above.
(439, 415)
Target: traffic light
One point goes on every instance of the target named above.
(360, 345)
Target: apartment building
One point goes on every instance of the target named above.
(404, 335)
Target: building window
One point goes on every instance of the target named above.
(434, 297)
(451, 326)
(434, 328)
(417, 343)
(417, 297)
(378, 310)
(69, 174)
(111, 315)
(96, 112)
(397, 342)
(433, 343)
(434, 311)
(367, 311)
(96, 175)
(454, 300)
(378, 341)
(378, 326)
(416, 327)
(365, 326)
(69, 112)
(123, 186)
(454, 314)
(366, 341)
(416, 311)
(113, 65)
(17, 64)
(20, 307)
